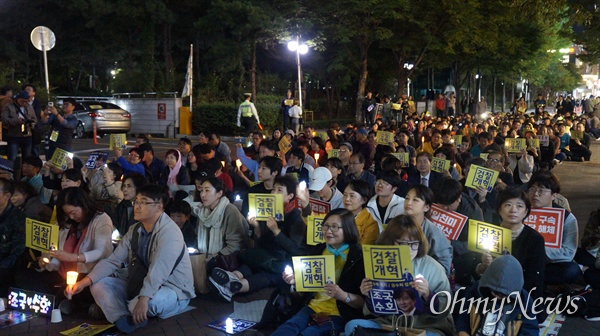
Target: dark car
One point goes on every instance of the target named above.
(109, 118)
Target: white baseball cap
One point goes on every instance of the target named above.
(320, 177)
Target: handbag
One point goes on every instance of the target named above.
(198, 262)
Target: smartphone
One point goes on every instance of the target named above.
(50, 104)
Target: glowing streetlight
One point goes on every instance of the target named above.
(299, 49)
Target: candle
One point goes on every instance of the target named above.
(314, 133)
(317, 156)
(72, 278)
(229, 326)
(422, 140)
(223, 163)
(238, 163)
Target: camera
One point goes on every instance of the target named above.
(50, 104)
(27, 126)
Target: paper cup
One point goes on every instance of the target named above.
(56, 316)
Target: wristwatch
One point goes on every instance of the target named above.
(348, 299)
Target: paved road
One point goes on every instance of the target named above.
(580, 184)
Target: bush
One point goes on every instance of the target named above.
(223, 117)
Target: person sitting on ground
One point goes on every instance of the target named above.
(269, 169)
(123, 218)
(84, 239)
(543, 189)
(485, 142)
(356, 196)
(580, 147)
(422, 173)
(180, 214)
(386, 205)
(134, 162)
(417, 204)
(430, 282)
(503, 279)
(431, 146)
(266, 148)
(175, 173)
(297, 165)
(342, 301)
(336, 167)
(356, 172)
(108, 192)
(12, 231)
(275, 243)
(154, 166)
(160, 280)
(69, 178)
(26, 199)
(31, 172)
(447, 152)
(322, 188)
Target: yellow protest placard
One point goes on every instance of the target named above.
(484, 155)
(284, 145)
(457, 140)
(396, 107)
(263, 206)
(384, 138)
(118, 141)
(86, 329)
(333, 153)
(314, 230)
(293, 175)
(53, 218)
(576, 135)
(544, 140)
(313, 272)
(386, 262)
(323, 135)
(253, 183)
(59, 159)
(40, 236)
(534, 143)
(515, 145)
(289, 102)
(489, 237)
(481, 177)
(403, 157)
(440, 165)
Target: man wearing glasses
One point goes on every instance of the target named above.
(159, 281)
(134, 163)
(356, 171)
(543, 188)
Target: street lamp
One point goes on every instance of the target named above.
(299, 49)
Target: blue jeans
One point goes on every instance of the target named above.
(349, 329)
(298, 325)
(111, 295)
(14, 143)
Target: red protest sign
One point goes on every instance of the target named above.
(450, 222)
(549, 223)
(319, 207)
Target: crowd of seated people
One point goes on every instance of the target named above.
(196, 202)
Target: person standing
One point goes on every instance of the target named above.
(18, 120)
(286, 104)
(37, 108)
(246, 115)
(295, 113)
(62, 126)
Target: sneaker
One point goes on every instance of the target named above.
(592, 318)
(227, 279)
(225, 292)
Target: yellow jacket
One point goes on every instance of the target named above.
(368, 229)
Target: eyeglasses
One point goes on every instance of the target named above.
(135, 156)
(493, 160)
(414, 245)
(333, 228)
(144, 203)
(540, 191)
(343, 150)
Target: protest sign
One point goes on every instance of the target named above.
(457, 139)
(484, 156)
(284, 145)
(403, 157)
(313, 272)
(96, 160)
(489, 237)
(549, 223)
(41, 236)
(450, 222)
(544, 140)
(314, 230)
(263, 206)
(440, 165)
(319, 207)
(333, 153)
(481, 177)
(515, 145)
(59, 159)
(384, 138)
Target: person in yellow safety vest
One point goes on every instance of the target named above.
(247, 112)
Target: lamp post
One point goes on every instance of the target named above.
(299, 49)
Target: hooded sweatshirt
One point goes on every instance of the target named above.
(394, 208)
(503, 276)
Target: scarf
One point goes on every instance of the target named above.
(338, 252)
(288, 207)
(173, 172)
(210, 230)
(71, 245)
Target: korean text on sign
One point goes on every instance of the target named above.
(549, 223)
(314, 230)
(403, 157)
(284, 145)
(515, 145)
(481, 177)
(118, 141)
(263, 206)
(312, 273)
(450, 222)
(440, 165)
(386, 263)
(333, 153)
(457, 140)
(40, 236)
(384, 138)
(96, 160)
(319, 207)
(59, 159)
(544, 140)
(489, 237)
(29, 301)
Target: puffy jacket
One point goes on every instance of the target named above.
(12, 236)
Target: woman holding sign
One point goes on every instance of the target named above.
(84, 239)
(429, 278)
(329, 310)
